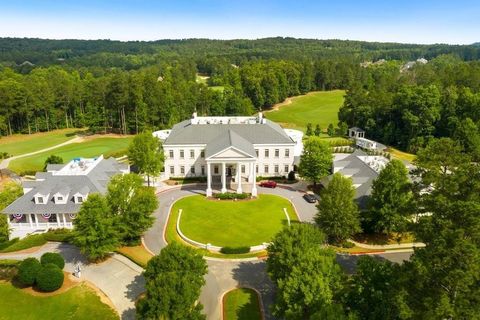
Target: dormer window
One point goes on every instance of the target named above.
(40, 200)
(59, 198)
(79, 199)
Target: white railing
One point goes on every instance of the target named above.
(40, 225)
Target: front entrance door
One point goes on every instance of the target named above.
(229, 171)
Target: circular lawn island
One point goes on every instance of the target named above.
(226, 223)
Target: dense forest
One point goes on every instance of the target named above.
(126, 87)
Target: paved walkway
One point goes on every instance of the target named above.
(5, 162)
(117, 277)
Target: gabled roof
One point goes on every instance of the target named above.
(229, 140)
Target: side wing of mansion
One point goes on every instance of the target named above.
(53, 199)
(229, 151)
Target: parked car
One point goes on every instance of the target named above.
(310, 197)
(268, 184)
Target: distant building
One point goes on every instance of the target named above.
(366, 143)
(55, 197)
(356, 132)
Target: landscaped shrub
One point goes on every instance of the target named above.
(52, 257)
(348, 244)
(28, 271)
(8, 269)
(58, 235)
(8, 243)
(231, 196)
(291, 176)
(235, 250)
(30, 241)
(49, 278)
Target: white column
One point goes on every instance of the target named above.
(29, 219)
(239, 177)
(58, 219)
(254, 181)
(224, 178)
(64, 220)
(209, 180)
(36, 220)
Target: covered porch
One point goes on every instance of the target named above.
(24, 224)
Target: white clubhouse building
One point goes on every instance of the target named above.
(229, 151)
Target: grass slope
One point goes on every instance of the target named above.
(241, 304)
(79, 303)
(315, 108)
(25, 143)
(90, 148)
(233, 223)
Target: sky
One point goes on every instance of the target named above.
(453, 22)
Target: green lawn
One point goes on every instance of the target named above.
(315, 108)
(233, 223)
(79, 302)
(88, 149)
(241, 304)
(25, 143)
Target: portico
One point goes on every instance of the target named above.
(241, 173)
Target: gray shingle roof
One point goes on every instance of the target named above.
(230, 139)
(258, 133)
(95, 181)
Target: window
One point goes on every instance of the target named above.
(267, 153)
(182, 170)
(79, 199)
(59, 198)
(170, 154)
(287, 153)
(266, 169)
(286, 168)
(182, 154)
(172, 170)
(277, 153)
(243, 168)
(39, 199)
(203, 170)
(192, 154)
(202, 154)
(256, 152)
(192, 170)
(276, 168)
(52, 218)
(215, 169)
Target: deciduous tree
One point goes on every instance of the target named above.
(145, 152)
(316, 160)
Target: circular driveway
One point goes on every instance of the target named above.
(224, 275)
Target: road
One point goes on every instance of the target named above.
(224, 275)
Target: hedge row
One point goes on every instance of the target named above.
(231, 196)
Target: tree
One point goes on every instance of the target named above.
(11, 191)
(309, 131)
(337, 211)
(145, 152)
(305, 272)
(52, 159)
(173, 279)
(331, 130)
(316, 160)
(342, 129)
(49, 278)
(318, 131)
(94, 230)
(374, 289)
(132, 205)
(390, 204)
(28, 270)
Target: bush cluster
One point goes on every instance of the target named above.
(231, 196)
(47, 275)
(58, 235)
(235, 250)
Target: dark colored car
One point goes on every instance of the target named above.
(268, 184)
(309, 198)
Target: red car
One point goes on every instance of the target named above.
(268, 184)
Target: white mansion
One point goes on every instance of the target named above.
(229, 151)
(53, 199)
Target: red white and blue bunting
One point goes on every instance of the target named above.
(17, 216)
(72, 215)
(46, 215)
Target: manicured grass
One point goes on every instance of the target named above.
(25, 143)
(241, 304)
(87, 149)
(315, 108)
(226, 223)
(79, 302)
(137, 254)
(397, 154)
(31, 241)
